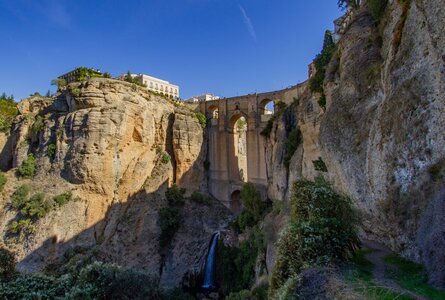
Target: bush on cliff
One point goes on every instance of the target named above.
(8, 111)
(175, 195)
(169, 220)
(28, 167)
(321, 62)
(7, 263)
(201, 119)
(3, 181)
(322, 229)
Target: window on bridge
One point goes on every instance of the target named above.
(267, 107)
(238, 157)
(213, 109)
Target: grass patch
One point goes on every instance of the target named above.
(412, 276)
(3, 181)
(359, 276)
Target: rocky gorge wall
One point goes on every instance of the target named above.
(117, 149)
(381, 135)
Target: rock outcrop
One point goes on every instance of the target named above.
(381, 136)
(117, 148)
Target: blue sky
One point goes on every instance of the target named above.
(227, 47)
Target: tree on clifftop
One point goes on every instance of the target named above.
(354, 4)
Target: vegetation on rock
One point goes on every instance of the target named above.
(322, 229)
(202, 119)
(293, 141)
(321, 61)
(28, 167)
(94, 281)
(8, 111)
(7, 263)
(3, 181)
(200, 198)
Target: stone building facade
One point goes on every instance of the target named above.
(158, 85)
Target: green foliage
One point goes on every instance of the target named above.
(437, 171)
(322, 229)
(8, 111)
(134, 80)
(61, 83)
(94, 281)
(51, 151)
(201, 119)
(36, 206)
(200, 198)
(169, 221)
(38, 125)
(7, 263)
(75, 91)
(412, 276)
(83, 73)
(107, 75)
(175, 195)
(48, 94)
(251, 200)
(20, 196)
(3, 181)
(235, 268)
(319, 165)
(377, 8)
(62, 199)
(165, 158)
(28, 167)
(321, 62)
(354, 4)
(293, 141)
(277, 206)
(22, 228)
(280, 107)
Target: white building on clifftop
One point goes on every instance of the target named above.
(158, 85)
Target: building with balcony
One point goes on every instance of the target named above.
(158, 85)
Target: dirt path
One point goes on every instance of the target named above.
(376, 257)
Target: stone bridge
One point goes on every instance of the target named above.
(237, 155)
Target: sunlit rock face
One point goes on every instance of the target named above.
(117, 148)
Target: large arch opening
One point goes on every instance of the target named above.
(238, 153)
(235, 202)
(267, 107)
(213, 112)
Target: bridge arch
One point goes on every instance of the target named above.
(213, 112)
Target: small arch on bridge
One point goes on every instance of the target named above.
(267, 107)
(235, 202)
(213, 112)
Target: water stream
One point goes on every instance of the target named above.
(210, 264)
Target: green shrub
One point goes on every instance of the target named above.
(377, 8)
(293, 141)
(268, 129)
(62, 199)
(107, 75)
(36, 206)
(7, 263)
(319, 165)
(175, 195)
(202, 119)
(3, 181)
(321, 62)
(20, 196)
(235, 267)
(22, 227)
(322, 229)
(245, 220)
(51, 151)
(165, 158)
(251, 200)
(28, 167)
(200, 198)
(38, 125)
(437, 171)
(75, 92)
(8, 111)
(169, 221)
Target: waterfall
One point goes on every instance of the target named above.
(210, 264)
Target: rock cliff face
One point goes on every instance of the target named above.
(381, 136)
(117, 148)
